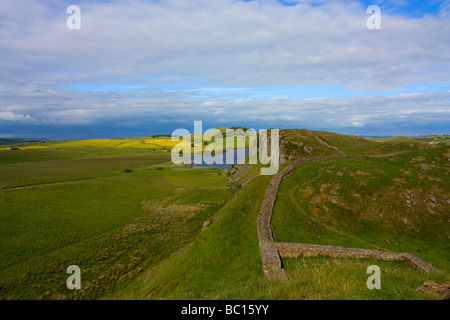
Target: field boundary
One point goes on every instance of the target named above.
(272, 252)
(49, 182)
(326, 145)
(294, 250)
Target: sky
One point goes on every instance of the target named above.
(139, 68)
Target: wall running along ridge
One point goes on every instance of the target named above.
(326, 145)
(293, 250)
(272, 252)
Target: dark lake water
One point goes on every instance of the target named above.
(202, 164)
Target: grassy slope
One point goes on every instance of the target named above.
(113, 227)
(66, 169)
(45, 154)
(364, 180)
(444, 140)
(295, 141)
(213, 267)
(115, 242)
(357, 145)
(224, 263)
(222, 259)
(371, 203)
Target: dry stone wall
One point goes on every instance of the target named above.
(326, 145)
(271, 261)
(294, 250)
(272, 252)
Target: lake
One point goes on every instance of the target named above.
(199, 158)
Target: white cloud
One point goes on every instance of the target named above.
(220, 111)
(230, 43)
(233, 45)
(90, 108)
(10, 116)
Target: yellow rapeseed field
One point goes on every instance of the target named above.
(110, 143)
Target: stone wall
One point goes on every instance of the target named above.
(271, 261)
(294, 250)
(326, 145)
(272, 252)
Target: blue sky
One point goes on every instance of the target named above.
(147, 67)
(203, 89)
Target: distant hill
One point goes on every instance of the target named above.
(19, 141)
(443, 140)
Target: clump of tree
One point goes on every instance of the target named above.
(243, 128)
(161, 136)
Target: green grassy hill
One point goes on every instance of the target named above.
(353, 145)
(224, 262)
(438, 140)
(143, 228)
(400, 203)
(138, 210)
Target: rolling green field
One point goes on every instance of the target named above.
(354, 145)
(80, 168)
(224, 263)
(438, 140)
(133, 221)
(137, 212)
